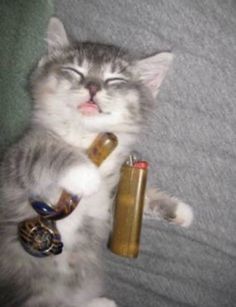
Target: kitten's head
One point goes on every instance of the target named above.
(94, 86)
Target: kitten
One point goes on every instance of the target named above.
(79, 90)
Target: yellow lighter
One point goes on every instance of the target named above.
(129, 203)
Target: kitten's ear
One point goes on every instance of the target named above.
(154, 69)
(56, 35)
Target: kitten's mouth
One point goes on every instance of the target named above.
(89, 108)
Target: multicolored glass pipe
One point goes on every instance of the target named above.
(39, 235)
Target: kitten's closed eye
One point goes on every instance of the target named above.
(74, 72)
(117, 80)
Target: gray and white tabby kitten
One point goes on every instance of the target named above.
(79, 91)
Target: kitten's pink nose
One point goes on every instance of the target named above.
(93, 88)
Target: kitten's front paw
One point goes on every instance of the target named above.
(81, 180)
(101, 302)
(169, 208)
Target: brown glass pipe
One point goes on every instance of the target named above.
(39, 235)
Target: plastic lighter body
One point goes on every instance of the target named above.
(125, 237)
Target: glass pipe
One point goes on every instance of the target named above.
(39, 235)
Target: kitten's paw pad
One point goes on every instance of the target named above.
(81, 180)
(101, 302)
(169, 208)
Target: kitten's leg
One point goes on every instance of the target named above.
(161, 205)
(101, 302)
(48, 165)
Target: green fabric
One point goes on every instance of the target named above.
(22, 30)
